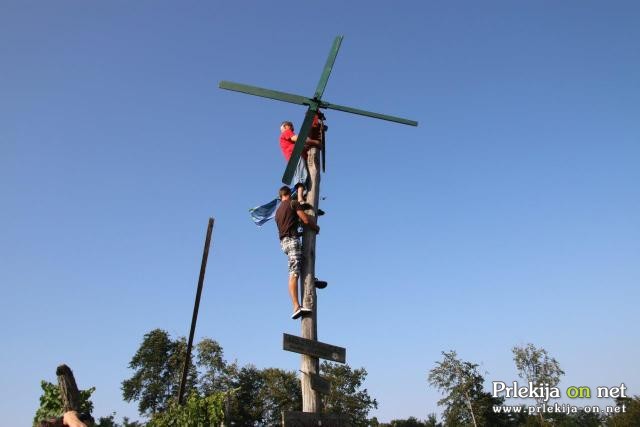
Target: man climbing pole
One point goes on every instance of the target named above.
(288, 216)
(288, 139)
(263, 213)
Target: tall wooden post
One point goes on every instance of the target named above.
(196, 307)
(310, 365)
(309, 347)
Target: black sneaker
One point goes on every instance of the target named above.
(296, 314)
(321, 284)
(320, 212)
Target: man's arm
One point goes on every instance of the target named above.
(308, 221)
(71, 419)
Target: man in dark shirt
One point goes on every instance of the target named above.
(288, 216)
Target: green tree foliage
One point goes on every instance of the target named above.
(432, 421)
(346, 395)
(51, 402)
(247, 407)
(280, 392)
(215, 373)
(158, 367)
(198, 411)
(631, 415)
(461, 383)
(537, 366)
(413, 422)
(252, 396)
(110, 421)
(465, 401)
(578, 419)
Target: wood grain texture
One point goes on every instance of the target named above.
(310, 398)
(313, 348)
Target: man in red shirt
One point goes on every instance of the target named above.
(288, 139)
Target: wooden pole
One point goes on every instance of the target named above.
(310, 365)
(70, 401)
(68, 389)
(196, 306)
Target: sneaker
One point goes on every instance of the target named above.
(320, 212)
(296, 314)
(321, 284)
(305, 310)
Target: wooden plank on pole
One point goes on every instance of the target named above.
(320, 384)
(310, 419)
(314, 348)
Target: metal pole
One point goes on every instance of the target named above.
(203, 268)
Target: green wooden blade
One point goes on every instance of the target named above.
(299, 147)
(265, 93)
(368, 114)
(331, 59)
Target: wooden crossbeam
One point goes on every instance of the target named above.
(314, 348)
(313, 104)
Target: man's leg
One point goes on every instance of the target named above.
(293, 291)
(300, 177)
(291, 247)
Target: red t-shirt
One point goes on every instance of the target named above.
(286, 144)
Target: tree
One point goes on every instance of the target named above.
(247, 407)
(198, 411)
(280, 392)
(346, 396)
(538, 367)
(409, 422)
(461, 382)
(51, 402)
(432, 421)
(216, 374)
(631, 415)
(251, 396)
(158, 364)
(110, 421)
(465, 401)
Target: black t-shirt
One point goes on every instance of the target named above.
(287, 218)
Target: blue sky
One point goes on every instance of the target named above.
(510, 215)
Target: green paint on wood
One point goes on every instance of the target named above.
(314, 105)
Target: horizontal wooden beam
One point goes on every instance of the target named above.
(360, 112)
(314, 348)
(311, 102)
(266, 93)
(311, 419)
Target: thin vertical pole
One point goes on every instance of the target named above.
(194, 318)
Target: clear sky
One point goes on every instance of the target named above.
(510, 215)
